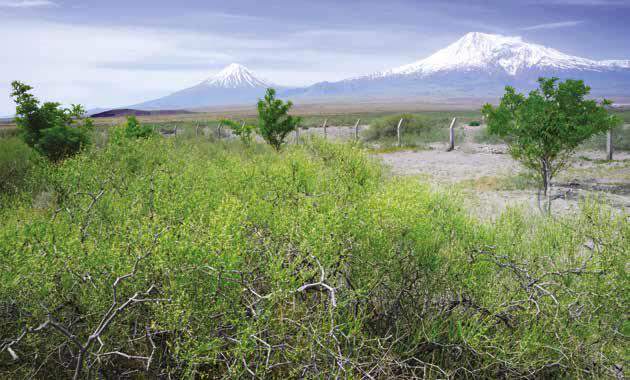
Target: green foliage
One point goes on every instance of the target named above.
(274, 121)
(544, 129)
(135, 130)
(305, 264)
(243, 131)
(416, 129)
(16, 161)
(474, 123)
(48, 128)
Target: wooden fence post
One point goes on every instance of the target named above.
(356, 130)
(398, 135)
(326, 129)
(197, 130)
(609, 146)
(451, 136)
(219, 130)
(175, 132)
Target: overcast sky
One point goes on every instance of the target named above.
(115, 53)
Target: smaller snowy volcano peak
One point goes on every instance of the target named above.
(236, 76)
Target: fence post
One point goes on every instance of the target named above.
(609, 145)
(398, 132)
(197, 130)
(175, 131)
(356, 130)
(451, 136)
(326, 129)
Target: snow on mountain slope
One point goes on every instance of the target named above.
(235, 76)
(481, 51)
(234, 85)
(478, 65)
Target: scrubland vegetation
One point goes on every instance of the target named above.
(150, 257)
(195, 258)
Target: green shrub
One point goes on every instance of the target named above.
(416, 128)
(304, 264)
(48, 128)
(61, 141)
(243, 131)
(135, 130)
(16, 162)
(474, 123)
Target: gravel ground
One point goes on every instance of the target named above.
(584, 179)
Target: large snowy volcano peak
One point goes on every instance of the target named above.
(487, 52)
(236, 76)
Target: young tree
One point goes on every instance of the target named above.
(544, 129)
(48, 128)
(274, 121)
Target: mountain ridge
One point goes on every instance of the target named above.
(476, 65)
(233, 85)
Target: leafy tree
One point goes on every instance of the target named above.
(49, 129)
(243, 131)
(544, 129)
(274, 121)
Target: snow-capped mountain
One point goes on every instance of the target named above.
(235, 76)
(476, 65)
(234, 85)
(477, 51)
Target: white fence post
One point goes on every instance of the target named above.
(326, 129)
(609, 145)
(451, 136)
(356, 130)
(398, 132)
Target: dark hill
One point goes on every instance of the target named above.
(129, 112)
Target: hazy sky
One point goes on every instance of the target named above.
(114, 53)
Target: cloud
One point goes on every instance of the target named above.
(98, 65)
(553, 25)
(27, 4)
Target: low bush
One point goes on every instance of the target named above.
(415, 128)
(172, 258)
(135, 130)
(474, 123)
(16, 161)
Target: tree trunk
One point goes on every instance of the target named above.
(546, 181)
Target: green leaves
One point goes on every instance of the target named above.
(243, 131)
(49, 128)
(544, 128)
(274, 122)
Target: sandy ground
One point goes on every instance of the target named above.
(469, 163)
